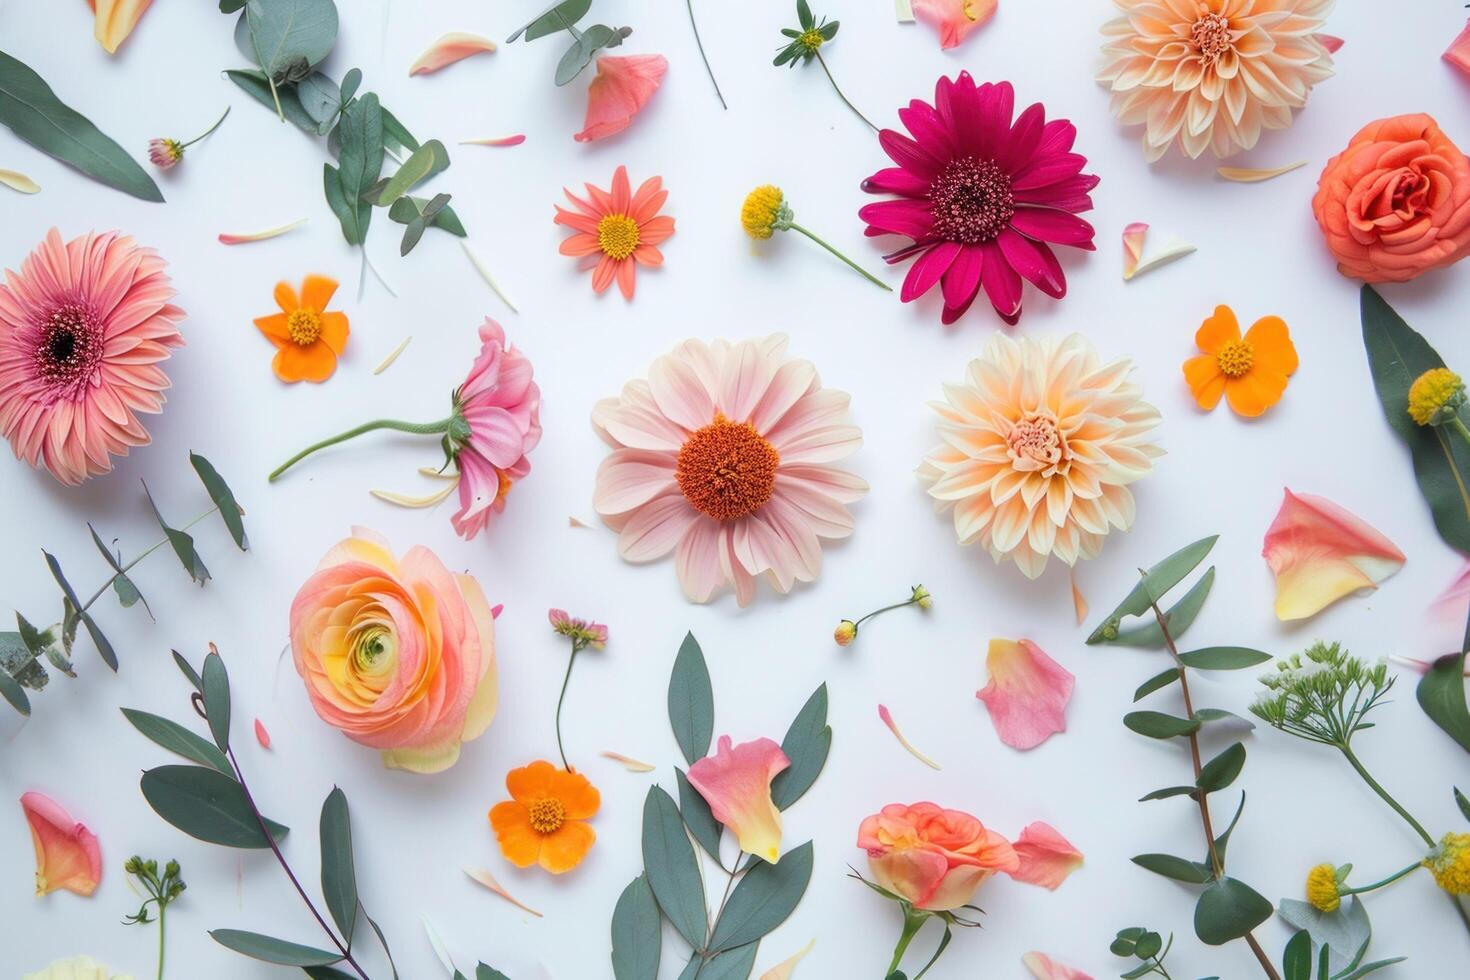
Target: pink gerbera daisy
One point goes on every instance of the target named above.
(83, 329)
(982, 197)
(723, 456)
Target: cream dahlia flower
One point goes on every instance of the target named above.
(1040, 442)
(1212, 73)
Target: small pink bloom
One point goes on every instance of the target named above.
(1046, 856)
(932, 857)
(582, 631)
(1043, 967)
(67, 855)
(452, 47)
(1458, 53)
(165, 152)
(736, 783)
(954, 19)
(623, 86)
(1320, 552)
(502, 405)
(1027, 694)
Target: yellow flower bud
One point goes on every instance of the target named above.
(845, 632)
(1322, 888)
(1450, 863)
(1435, 396)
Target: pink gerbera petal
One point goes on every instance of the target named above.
(1027, 694)
(1320, 553)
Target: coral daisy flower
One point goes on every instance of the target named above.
(1041, 440)
(84, 328)
(1212, 73)
(1250, 371)
(983, 198)
(545, 820)
(308, 338)
(723, 456)
(621, 226)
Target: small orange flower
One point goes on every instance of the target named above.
(544, 821)
(308, 339)
(1250, 371)
(621, 227)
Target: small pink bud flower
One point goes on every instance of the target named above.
(165, 153)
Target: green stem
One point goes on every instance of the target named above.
(703, 57)
(128, 567)
(823, 62)
(416, 428)
(1460, 428)
(1383, 793)
(211, 129)
(912, 922)
(857, 268)
(576, 649)
(875, 612)
(161, 908)
(1386, 881)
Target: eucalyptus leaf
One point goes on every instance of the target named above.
(807, 743)
(321, 98)
(104, 648)
(1296, 958)
(672, 868)
(44, 643)
(1462, 802)
(1222, 843)
(428, 160)
(411, 236)
(1179, 616)
(188, 671)
(1157, 682)
(395, 135)
(1228, 909)
(272, 950)
(1153, 585)
(359, 160)
(181, 542)
(1223, 658)
(703, 826)
(1156, 724)
(763, 899)
(1207, 715)
(1176, 868)
(579, 55)
(10, 688)
(1222, 770)
(558, 17)
(734, 964)
(206, 804)
(1441, 693)
(290, 37)
(636, 933)
(219, 492)
(230, 6)
(483, 972)
(691, 701)
(178, 740)
(1169, 792)
(217, 700)
(339, 877)
(350, 82)
(127, 593)
(1345, 932)
(258, 86)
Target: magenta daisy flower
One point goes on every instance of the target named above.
(984, 198)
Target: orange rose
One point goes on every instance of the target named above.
(1396, 202)
(931, 857)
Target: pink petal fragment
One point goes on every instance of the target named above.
(887, 717)
(1043, 967)
(1046, 856)
(736, 783)
(1320, 552)
(261, 735)
(1458, 53)
(623, 86)
(1331, 42)
(1454, 601)
(1079, 601)
(67, 855)
(260, 236)
(577, 522)
(1134, 261)
(954, 19)
(628, 762)
(482, 877)
(1027, 694)
(784, 969)
(515, 140)
(1246, 175)
(1133, 237)
(452, 47)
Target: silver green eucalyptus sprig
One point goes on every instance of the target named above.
(586, 41)
(162, 890)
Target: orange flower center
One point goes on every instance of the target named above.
(727, 469)
(1034, 441)
(617, 235)
(1211, 34)
(1235, 358)
(548, 815)
(304, 326)
(971, 201)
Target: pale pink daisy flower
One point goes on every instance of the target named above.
(724, 457)
(502, 407)
(84, 327)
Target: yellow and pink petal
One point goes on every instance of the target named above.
(1047, 858)
(1043, 967)
(736, 783)
(1027, 694)
(954, 19)
(452, 47)
(67, 855)
(1320, 552)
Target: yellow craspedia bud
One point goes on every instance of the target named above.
(762, 210)
(845, 632)
(1435, 396)
(1450, 863)
(1322, 888)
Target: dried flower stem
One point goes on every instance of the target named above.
(703, 57)
(211, 129)
(577, 646)
(823, 62)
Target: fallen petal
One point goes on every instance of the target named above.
(261, 735)
(18, 182)
(904, 11)
(116, 20)
(1043, 967)
(1136, 263)
(623, 86)
(784, 969)
(736, 783)
(452, 47)
(1246, 175)
(485, 274)
(577, 522)
(430, 471)
(954, 19)
(67, 855)
(388, 361)
(887, 717)
(1320, 552)
(1079, 601)
(403, 500)
(1046, 856)
(260, 236)
(515, 140)
(1454, 601)
(1133, 237)
(482, 877)
(1422, 666)
(1458, 53)
(1331, 42)
(628, 762)
(437, 944)
(1027, 694)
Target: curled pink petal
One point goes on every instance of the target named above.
(67, 855)
(954, 19)
(260, 236)
(623, 86)
(1027, 694)
(1331, 42)
(452, 47)
(1043, 967)
(736, 783)
(887, 718)
(1320, 552)
(1458, 53)
(1133, 237)
(1046, 856)
(515, 140)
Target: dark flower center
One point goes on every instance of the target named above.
(971, 201)
(68, 350)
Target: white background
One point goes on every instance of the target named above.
(1259, 251)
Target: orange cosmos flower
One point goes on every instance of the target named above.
(308, 338)
(621, 227)
(1250, 371)
(544, 821)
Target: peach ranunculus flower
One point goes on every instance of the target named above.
(1396, 202)
(399, 654)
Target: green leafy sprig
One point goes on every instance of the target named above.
(1148, 947)
(806, 43)
(162, 890)
(23, 651)
(586, 42)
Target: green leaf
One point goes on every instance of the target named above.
(1179, 616)
(411, 236)
(1222, 843)
(1154, 584)
(350, 82)
(673, 870)
(360, 160)
(1296, 959)
(178, 740)
(1462, 803)
(207, 805)
(230, 6)
(691, 702)
(217, 700)
(703, 826)
(734, 964)
(188, 671)
(1223, 658)
(806, 744)
(763, 899)
(1155, 683)
(483, 972)
(579, 55)
(1222, 770)
(10, 688)
(395, 135)
(1373, 967)
(1168, 792)
(382, 941)
(636, 933)
(39, 644)
(224, 499)
(321, 98)
(272, 950)
(258, 86)
(1156, 724)
(426, 161)
(1397, 355)
(1176, 868)
(1148, 944)
(104, 648)
(339, 878)
(36, 115)
(447, 220)
(181, 542)
(557, 17)
(1228, 909)
(1207, 715)
(332, 973)
(804, 14)
(291, 37)
(127, 593)
(1441, 693)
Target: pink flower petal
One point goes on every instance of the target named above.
(1458, 53)
(1046, 856)
(261, 735)
(623, 86)
(67, 855)
(452, 47)
(628, 762)
(1454, 602)
(116, 20)
(1043, 967)
(1331, 42)
(482, 877)
(1133, 236)
(515, 140)
(260, 236)
(887, 718)
(954, 19)
(1027, 694)
(736, 783)
(1320, 552)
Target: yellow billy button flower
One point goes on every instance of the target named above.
(1449, 862)
(1436, 397)
(765, 211)
(1322, 888)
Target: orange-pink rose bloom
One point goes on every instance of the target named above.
(399, 654)
(1396, 202)
(932, 857)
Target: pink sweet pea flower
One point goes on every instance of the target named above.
(1320, 552)
(1027, 694)
(1046, 856)
(623, 86)
(1043, 967)
(502, 407)
(67, 855)
(736, 783)
(954, 19)
(931, 857)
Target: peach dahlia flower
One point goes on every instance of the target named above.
(1040, 442)
(724, 457)
(1212, 73)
